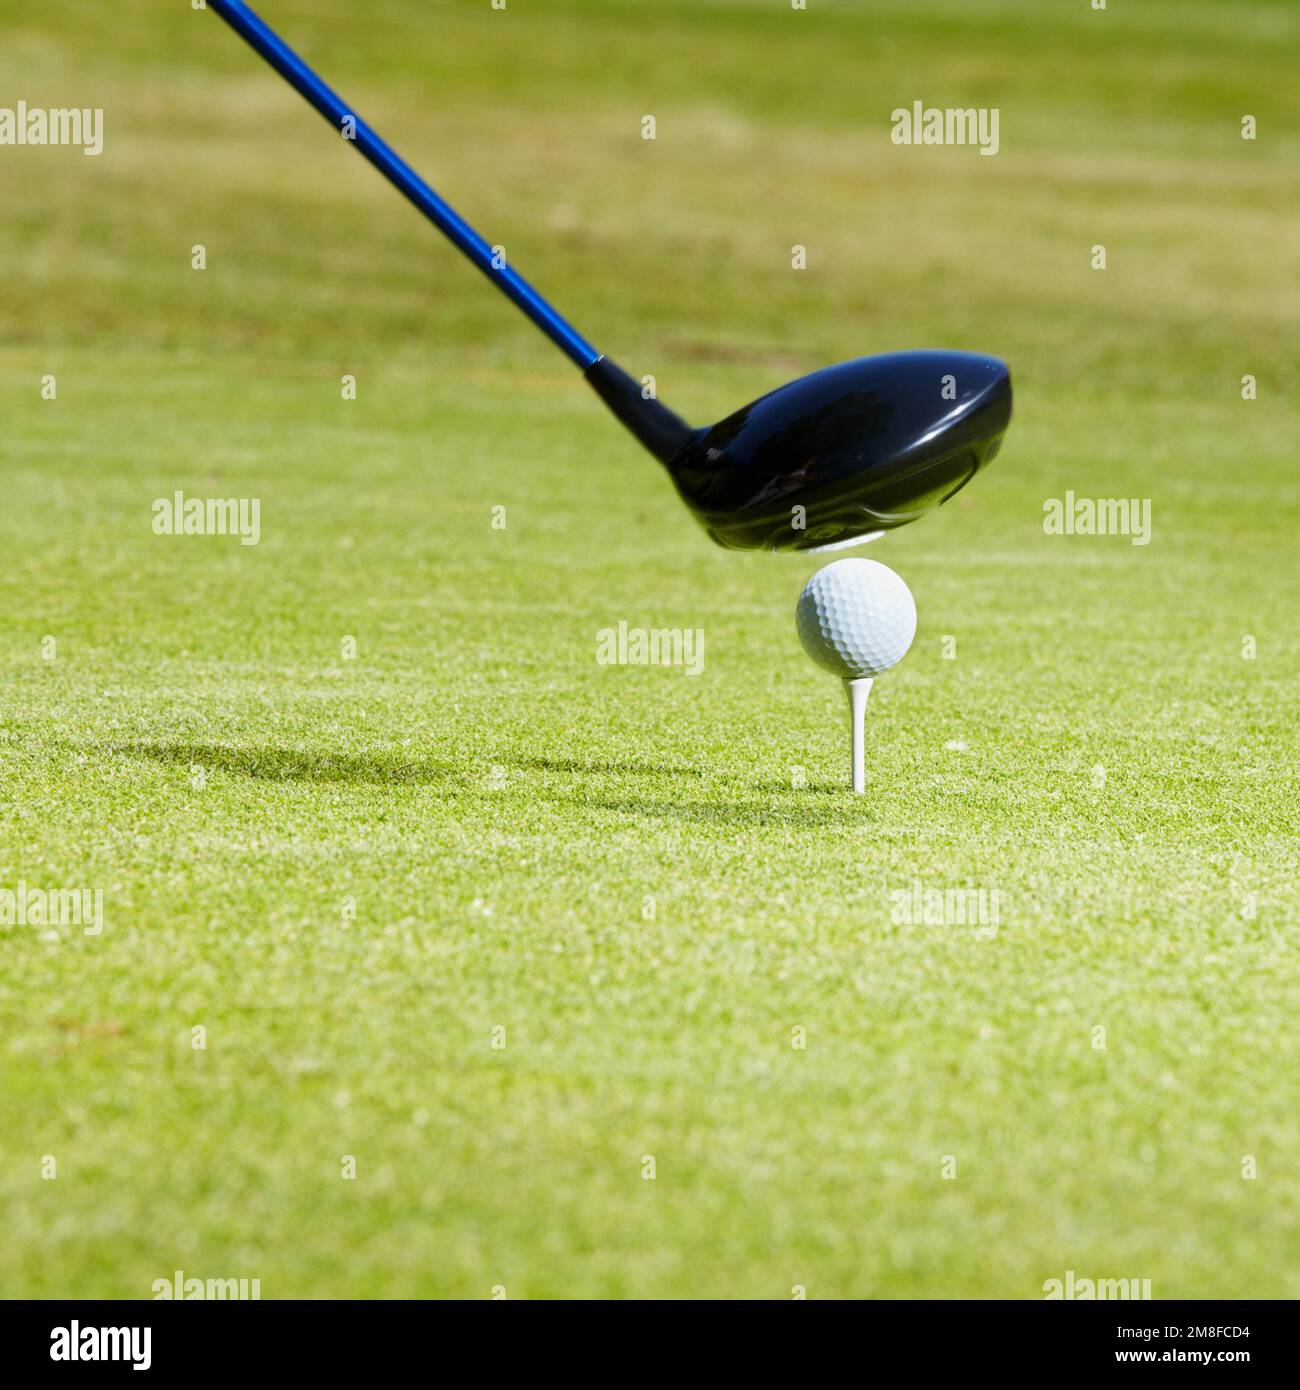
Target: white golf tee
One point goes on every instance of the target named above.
(857, 691)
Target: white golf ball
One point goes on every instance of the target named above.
(856, 618)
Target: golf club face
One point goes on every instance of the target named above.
(862, 447)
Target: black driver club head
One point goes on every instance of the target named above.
(834, 457)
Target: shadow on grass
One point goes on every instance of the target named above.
(823, 811)
(822, 805)
(816, 806)
(297, 764)
(622, 768)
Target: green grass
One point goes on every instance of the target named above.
(498, 806)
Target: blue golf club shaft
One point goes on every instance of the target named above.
(400, 174)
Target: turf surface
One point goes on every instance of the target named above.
(350, 871)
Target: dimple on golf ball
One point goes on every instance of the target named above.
(856, 618)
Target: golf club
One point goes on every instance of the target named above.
(830, 459)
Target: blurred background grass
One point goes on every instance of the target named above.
(773, 129)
